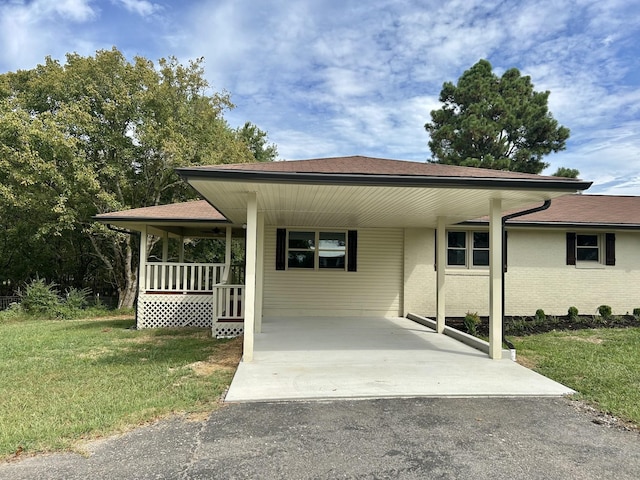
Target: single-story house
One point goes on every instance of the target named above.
(359, 236)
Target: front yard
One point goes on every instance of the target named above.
(602, 364)
(67, 380)
(64, 381)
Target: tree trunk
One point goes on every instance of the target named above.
(127, 294)
(120, 266)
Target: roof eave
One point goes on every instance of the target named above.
(155, 220)
(253, 176)
(580, 225)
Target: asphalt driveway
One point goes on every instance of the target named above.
(510, 438)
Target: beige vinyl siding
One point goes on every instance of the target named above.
(375, 289)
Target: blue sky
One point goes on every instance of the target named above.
(332, 78)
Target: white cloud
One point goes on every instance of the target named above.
(346, 77)
(143, 8)
(75, 10)
(29, 31)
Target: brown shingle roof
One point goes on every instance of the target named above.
(360, 165)
(585, 210)
(199, 210)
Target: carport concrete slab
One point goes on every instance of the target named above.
(374, 357)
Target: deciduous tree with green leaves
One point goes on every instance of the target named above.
(101, 133)
(494, 122)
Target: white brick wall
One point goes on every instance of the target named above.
(419, 272)
(537, 277)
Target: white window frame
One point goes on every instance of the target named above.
(316, 249)
(468, 249)
(600, 247)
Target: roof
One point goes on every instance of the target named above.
(583, 210)
(360, 165)
(361, 191)
(194, 211)
(353, 192)
(363, 170)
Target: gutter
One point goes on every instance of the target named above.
(374, 180)
(544, 206)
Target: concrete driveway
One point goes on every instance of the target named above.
(463, 438)
(374, 357)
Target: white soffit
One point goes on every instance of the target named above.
(360, 206)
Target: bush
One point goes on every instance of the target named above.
(14, 312)
(636, 313)
(517, 326)
(604, 311)
(77, 299)
(540, 315)
(39, 298)
(471, 322)
(572, 313)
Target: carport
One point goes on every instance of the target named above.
(351, 194)
(331, 357)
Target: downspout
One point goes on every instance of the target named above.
(544, 206)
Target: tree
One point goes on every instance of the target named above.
(566, 172)
(490, 122)
(99, 134)
(256, 140)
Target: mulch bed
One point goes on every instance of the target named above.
(531, 325)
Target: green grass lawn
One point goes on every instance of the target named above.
(66, 380)
(602, 365)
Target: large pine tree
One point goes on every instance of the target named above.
(494, 122)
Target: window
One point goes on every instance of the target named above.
(591, 248)
(311, 249)
(301, 250)
(468, 249)
(332, 249)
(587, 248)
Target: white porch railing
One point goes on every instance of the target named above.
(229, 302)
(183, 277)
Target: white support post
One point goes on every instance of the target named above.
(142, 276)
(495, 279)
(250, 281)
(259, 271)
(227, 255)
(181, 250)
(165, 247)
(441, 263)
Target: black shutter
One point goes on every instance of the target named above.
(281, 249)
(571, 248)
(352, 251)
(504, 250)
(610, 249)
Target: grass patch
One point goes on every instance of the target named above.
(69, 380)
(602, 365)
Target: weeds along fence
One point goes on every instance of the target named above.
(107, 301)
(7, 300)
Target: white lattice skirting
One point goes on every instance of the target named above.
(159, 310)
(228, 329)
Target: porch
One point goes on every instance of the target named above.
(372, 357)
(179, 294)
